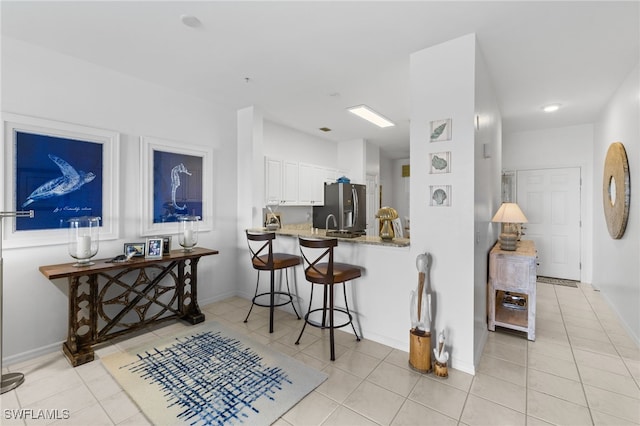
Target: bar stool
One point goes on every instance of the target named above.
(271, 262)
(320, 269)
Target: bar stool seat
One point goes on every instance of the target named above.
(320, 269)
(260, 242)
(280, 261)
(341, 272)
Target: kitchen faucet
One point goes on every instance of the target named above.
(326, 222)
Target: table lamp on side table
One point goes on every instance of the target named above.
(509, 214)
(9, 381)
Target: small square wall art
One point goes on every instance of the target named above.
(440, 162)
(440, 130)
(440, 195)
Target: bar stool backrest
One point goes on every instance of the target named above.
(318, 263)
(256, 250)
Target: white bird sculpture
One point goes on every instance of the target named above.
(420, 308)
(440, 354)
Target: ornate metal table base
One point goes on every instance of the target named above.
(108, 300)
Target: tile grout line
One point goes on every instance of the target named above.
(564, 325)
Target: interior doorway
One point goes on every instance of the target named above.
(550, 199)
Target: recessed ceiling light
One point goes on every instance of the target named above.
(370, 115)
(551, 108)
(190, 21)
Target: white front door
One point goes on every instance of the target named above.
(372, 202)
(550, 199)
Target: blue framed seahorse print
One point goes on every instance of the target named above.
(177, 186)
(176, 181)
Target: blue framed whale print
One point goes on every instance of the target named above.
(59, 171)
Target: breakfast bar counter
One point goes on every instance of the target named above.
(305, 231)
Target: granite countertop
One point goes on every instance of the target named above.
(305, 230)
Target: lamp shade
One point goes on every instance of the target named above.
(509, 213)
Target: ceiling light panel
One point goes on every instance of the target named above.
(371, 116)
(551, 108)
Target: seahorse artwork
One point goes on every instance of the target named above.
(175, 183)
(71, 180)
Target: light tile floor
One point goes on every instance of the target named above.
(583, 369)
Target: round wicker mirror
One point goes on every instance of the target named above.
(616, 190)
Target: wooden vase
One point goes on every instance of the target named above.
(440, 369)
(420, 351)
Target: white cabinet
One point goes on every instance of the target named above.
(512, 288)
(290, 183)
(296, 184)
(272, 181)
(311, 185)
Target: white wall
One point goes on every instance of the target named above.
(616, 263)
(400, 189)
(351, 159)
(487, 162)
(289, 144)
(41, 83)
(558, 148)
(443, 86)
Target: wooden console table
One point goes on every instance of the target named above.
(513, 272)
(107, 300)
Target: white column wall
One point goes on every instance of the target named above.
(616, 263)
(488, 162)
(42, 83)
(442, 86)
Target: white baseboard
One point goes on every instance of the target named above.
(34, 353)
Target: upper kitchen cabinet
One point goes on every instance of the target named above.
(281, 182)
(312, 180)
(290, 183)
(272, 180)
(296, 184)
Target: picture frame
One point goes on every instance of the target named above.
(138, 248)
(59, 170)
(154, 248)
(440, 195)
(440, 162)
(273, 220)
(440, 130)
(166, 244)
(176, 180)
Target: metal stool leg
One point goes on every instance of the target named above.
(346, 304)
(331, 328)
(286, 271)
(306, 317)
(254, 298)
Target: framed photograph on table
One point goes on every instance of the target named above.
(60, 171)
(154, 248)
(176, 181)
(137, 248)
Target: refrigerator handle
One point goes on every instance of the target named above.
(355, 205)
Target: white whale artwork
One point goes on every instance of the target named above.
(71, 180)
(175, 183)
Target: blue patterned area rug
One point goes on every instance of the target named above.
(212, 376)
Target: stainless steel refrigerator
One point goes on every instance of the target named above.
(348, 203)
